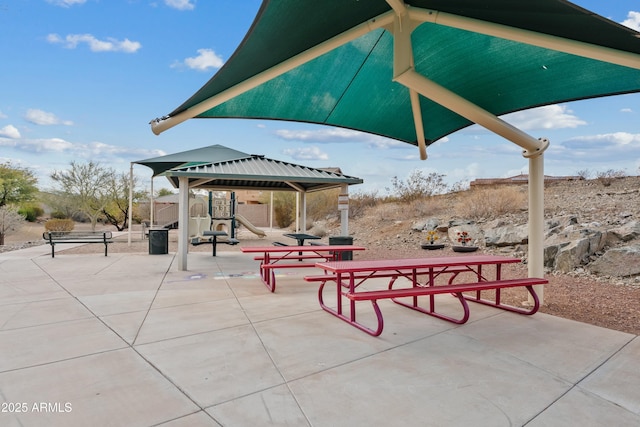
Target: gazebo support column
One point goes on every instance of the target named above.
(183, 222)
(344, 214)
(536, 222)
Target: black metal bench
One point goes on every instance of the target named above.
(56, 237)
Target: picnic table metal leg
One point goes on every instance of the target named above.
(351, 319)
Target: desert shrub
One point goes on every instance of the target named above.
(58, 215)
(361, 201)
(284, 208)
(417, 186)
(427, 206)
(584, 173)
(491, 202)
(59, 225)
(322, 204)
(31, 212)
(607, 177)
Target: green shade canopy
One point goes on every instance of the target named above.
(346, 65)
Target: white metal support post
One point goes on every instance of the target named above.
(130, 213)
(183, 222)
(344, 214)
(304, 212)
(536, 222)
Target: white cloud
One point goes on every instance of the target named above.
(10, 131)
(66, 3)
(93, 150)
(206, 60)
(3, 116)
(306, 153)
(632, 21)
(322, 135)
(39, 117)
(331, 135)
(547, 117)
(71, 41)
(606, 141)
(51, 145)
(180, 4)
(626, 110)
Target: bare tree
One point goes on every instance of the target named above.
(87, 186)
(116, 211)
(10, 220)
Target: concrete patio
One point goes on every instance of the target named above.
(128, 340)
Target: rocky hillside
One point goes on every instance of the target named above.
(591, 226)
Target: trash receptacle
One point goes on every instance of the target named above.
(343, 240)
(158, 241)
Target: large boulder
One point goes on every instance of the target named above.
(473, 230)
(426, 225)
(573, 247)
(570, 256)
(625, 232)
(507, 235)
(621, 262)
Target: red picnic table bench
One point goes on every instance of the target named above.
(277, 257)
(422, 274)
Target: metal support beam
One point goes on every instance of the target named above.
(536, 222)
(130, 213)
(344, 214)
(469, 110)
(183, 222)
(403, 61)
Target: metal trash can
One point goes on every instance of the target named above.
(158, 241)
(343, 240)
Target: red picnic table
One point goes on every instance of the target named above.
(276, 257)
(422, 274)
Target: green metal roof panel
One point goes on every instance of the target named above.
(258, 172)
(213, 153)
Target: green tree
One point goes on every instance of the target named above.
(86, 186)
(164, 192)
(17, 184)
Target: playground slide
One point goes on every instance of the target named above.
(244, 221)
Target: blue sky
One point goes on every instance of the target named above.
(81, 79)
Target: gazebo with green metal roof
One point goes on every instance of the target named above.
(217, 167)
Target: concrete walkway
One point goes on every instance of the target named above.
(128, 340)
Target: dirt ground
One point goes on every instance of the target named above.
(606, 303)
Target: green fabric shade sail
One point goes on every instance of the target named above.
(416, 70)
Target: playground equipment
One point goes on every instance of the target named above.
(242, 220)
(199, 219)
(220, 216)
